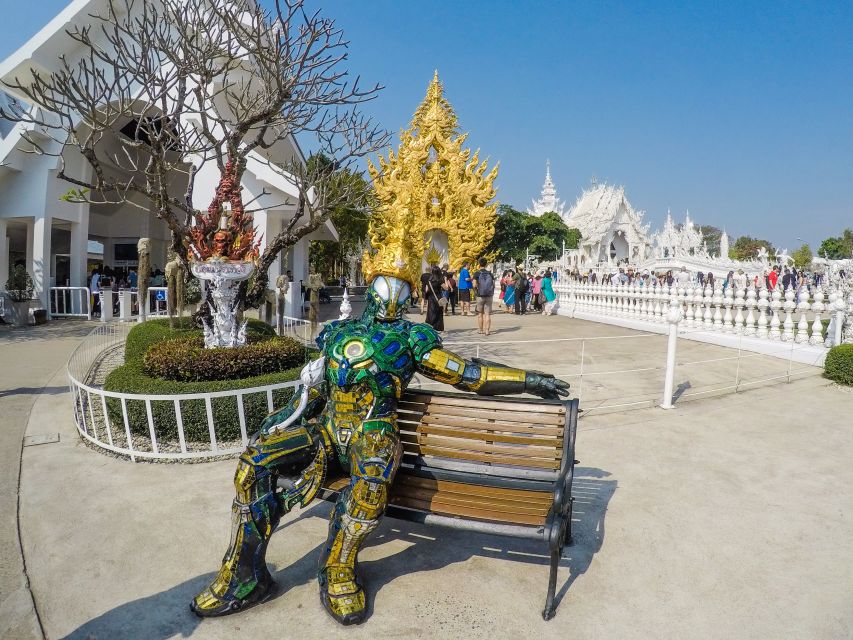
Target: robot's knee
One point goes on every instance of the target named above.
(368, 498)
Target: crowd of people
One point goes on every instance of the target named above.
(738, 280)
(443, 290)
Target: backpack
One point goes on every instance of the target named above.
(485, 284)
(523, 284)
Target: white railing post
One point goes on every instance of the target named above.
(739, 302)
(106, 296)
(762, 313)
(775, 306)
(125, 305)
(728, 301)
(840, 307)
(718, 302)
(803, 325)
(788, 324)
(673, 317)
(816, 339)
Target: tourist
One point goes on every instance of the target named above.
(789, 280)
(509, 294)
(701, 278)
(521, 284)
(485, 285)
(709, 281)
(132, 279)
(464, 285)
(435, 287)
(424, 283)
(550, 296)
(536, 289)
(452, 291)
(740, 280)
(770, 279)
(95, 290)
(729, 281)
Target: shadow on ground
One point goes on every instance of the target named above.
(166, 614)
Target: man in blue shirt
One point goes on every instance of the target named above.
(464, 285)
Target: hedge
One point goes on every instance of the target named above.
(145, 334)
(186, 359)
(131, 378)
(838, 365)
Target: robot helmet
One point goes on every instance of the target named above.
(387, 297)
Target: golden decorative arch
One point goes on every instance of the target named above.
(431, 183)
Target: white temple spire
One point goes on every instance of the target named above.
(548, 200)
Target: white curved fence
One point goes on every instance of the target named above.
(755, 320)
(159, 426)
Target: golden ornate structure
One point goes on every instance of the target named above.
(430, 185)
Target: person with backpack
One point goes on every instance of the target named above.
(484, 283)
(522, 283)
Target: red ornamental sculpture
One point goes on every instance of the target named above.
(237, 241)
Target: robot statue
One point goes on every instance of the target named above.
(345, 413)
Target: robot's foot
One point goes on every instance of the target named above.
(342, 595)
(208, 605)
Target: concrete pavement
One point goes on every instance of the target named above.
(728, 517)
(29, 358)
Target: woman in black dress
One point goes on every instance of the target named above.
(435, 312)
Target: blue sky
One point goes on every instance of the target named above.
(741, 112)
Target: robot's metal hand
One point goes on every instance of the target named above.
(545, 385)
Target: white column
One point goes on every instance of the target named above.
(79, 253)
(41, 258)
(4, 255)
(29, 247)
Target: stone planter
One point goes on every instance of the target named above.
(223, 278)
(20, 312)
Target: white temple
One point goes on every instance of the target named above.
(548, 200)
(611, 230)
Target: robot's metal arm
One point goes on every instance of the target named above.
(487, 378)
(307, 402)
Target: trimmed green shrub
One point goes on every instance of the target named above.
(131, 378)
(187, 360)
(839, 364)
(145, 334)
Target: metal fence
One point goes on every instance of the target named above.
(159, 426)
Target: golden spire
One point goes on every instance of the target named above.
(431, 184)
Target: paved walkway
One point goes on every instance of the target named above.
(30, 358)
(727, 517)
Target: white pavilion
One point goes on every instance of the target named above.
(612, 232)
(548, 200)
(51, 236)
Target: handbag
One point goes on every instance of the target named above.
(442, 301)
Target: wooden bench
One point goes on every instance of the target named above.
(500, 466)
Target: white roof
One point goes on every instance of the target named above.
(598, 208)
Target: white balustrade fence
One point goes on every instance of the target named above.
(747, 319)
(160, 426)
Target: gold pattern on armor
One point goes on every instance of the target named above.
(211, 597)
(443, 366)
(347, 410)
(499, 374)
(244, 480)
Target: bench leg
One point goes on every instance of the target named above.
(550, 610)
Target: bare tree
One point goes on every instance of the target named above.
(165, 86)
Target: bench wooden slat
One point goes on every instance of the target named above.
(531, 418)
(429, 450)
(542, 498)
(471, 501)
(526, 439)
(497, 425)
(457, 440)
(544, 453)
(443, 508)
(479, 401)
